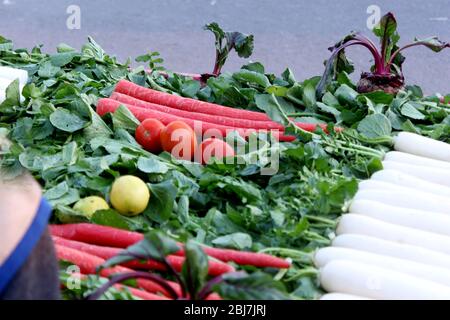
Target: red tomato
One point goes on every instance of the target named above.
(179, 139)
(148, 135)
(216, 148)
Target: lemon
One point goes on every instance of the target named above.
(129, 195)
(87, 206)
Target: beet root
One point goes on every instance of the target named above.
(389, 83)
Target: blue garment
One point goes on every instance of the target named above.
(29, 240)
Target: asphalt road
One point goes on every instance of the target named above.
(292, 33)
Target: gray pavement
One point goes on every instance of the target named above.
(287, 32)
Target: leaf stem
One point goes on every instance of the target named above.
(129, 275)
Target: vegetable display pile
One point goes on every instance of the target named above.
(142, 190)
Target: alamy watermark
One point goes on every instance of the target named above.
(73, 21)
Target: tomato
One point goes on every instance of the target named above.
(148, 135)
(216, 148)
(179, 139)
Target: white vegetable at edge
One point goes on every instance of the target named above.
(424, 271)
(13, 73)
(357, 224)
(406, 199)
(406, 180)
(378, 283)
(341, 296)
(408, 158)
(435, 175)
(374, 184)
(392, 249)
(4, 83)
(423, 220)
(421, 146)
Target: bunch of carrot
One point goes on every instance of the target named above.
(147, 103)
(88, 246)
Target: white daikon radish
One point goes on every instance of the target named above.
(406, 180)
(424, 220)
(392, 249)
(406, 199)
(4, 83)
(422, 146)
(358, 224)
(378, 283)
(341, 296)
(424, 271)
(398, 156)
(13, 74)
(435, 175)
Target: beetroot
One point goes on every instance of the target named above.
(386, 74)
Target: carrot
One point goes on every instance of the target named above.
(226, 121)
(261, 260)
(103, 235)
(88, 264)
(96, 234)
(222, 120)
(106, 105)
(215, 267)
(187, 104)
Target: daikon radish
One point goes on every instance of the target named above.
(422, 146)
(13, 74)
(407, 180)
(424, 271)
(362, 279)
(417, 219)
(4, 83)
(435, 175)
(392, 249)
(406, 199)
(341, 296)
(355, 223)
(398, 156)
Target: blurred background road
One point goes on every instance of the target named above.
(292, 33)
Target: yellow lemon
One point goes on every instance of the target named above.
(129, 195)
(87, 206)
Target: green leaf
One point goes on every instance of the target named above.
(48, 70)
(238, 240)
(277, 90)
(254, 66)
(386, 27)
(63, 58)
(162, 197)
(346, 95)
(375, 126)
(408, 110)
(379, 97)
(195, 269)
(123, 119)
(251, 77)
(432, 43)
(309, 95)
(151, 165)
(110, 218)
(254, 286)
(66, 121)
(269, 104)
(12, 97)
